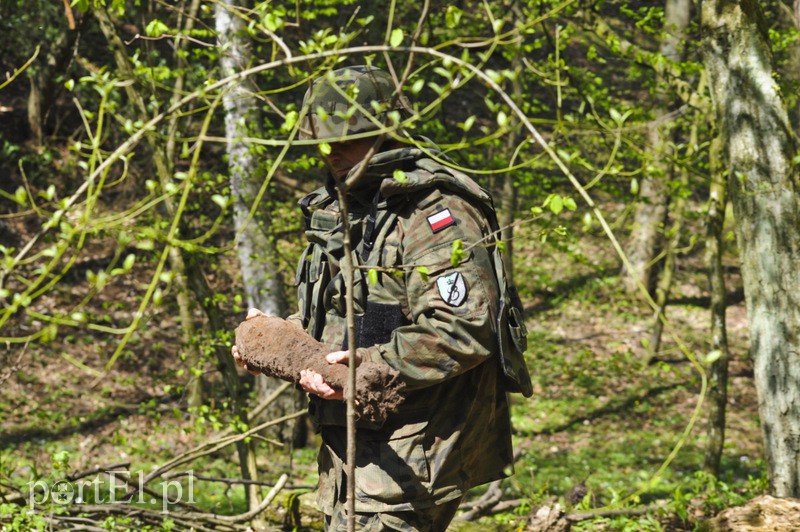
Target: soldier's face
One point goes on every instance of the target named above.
(345, 155)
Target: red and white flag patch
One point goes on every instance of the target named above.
(440, 220)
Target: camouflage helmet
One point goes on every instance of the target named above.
(337, 102)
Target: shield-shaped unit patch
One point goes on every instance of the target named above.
(452, 288)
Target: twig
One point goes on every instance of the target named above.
(100, 469)
(504, 506)
(261, 507)
(269, 400)
(13, 368)
(168, 36)
(215, 445)
(234, 481)
(486, 502)
(583, 516)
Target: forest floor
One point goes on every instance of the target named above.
(634, 434)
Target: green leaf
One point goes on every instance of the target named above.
(50, 333)
(156, 28)
(373, 276)
(634, 186)
(220, 200)
(396, 37)
(146, 245)
(423, 272)
(273, 22)
(564, 155)
(556, 204)
(587, 222)
(570, 204)
(127, 264)
(325, 149)
(457, 252)
(452, 16)
(69, 84)
(290, 121)
(501, 246)
(400, 177)
(20, 196)
(713, 356)
(618, 118)
(468, 123)
(502, 119)
(417, 86)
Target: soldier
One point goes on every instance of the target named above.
(448, 330)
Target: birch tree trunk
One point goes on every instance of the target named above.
(758, 145)
(651, 211)
(186, 277)
(254, 246)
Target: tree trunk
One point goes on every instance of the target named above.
(43, 81)
(759, 146)
(651, 211)
(673, 240)
(163, 167)
(793, 67)
(188, 274)
(508, 198)
(718, 372)
(230, 375)
(255, 246)
(195, 388)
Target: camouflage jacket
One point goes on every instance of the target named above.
(430, 321)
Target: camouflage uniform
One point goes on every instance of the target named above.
(435, 323)
(436, 330)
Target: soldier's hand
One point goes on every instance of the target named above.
(312, 382)
(252, 313)
(341, 357)
(241, 363)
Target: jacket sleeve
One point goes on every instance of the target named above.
(451, 308)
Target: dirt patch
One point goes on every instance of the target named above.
(279, 349)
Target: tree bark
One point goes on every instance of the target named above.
(247, 456)
(255, 245)
(759, 146)
(651, 211)
(164, 170)
(195, 388)
(718, 372)
(43, 81)
(508, 198)
(188, 274)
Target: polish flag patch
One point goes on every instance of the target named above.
(441, 220)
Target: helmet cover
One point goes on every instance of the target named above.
(347, 101)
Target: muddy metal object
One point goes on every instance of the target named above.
(279, 349)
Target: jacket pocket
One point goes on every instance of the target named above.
(395, 469)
